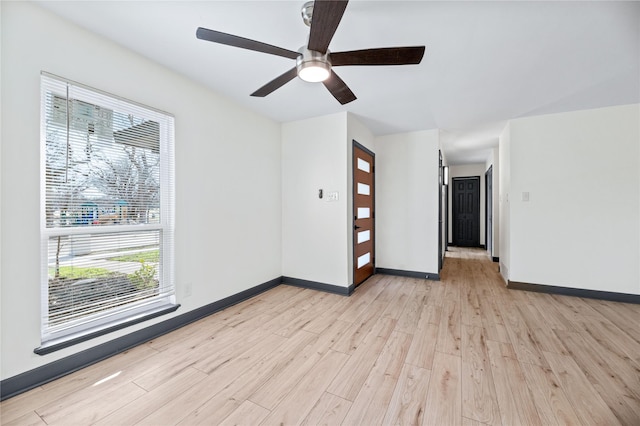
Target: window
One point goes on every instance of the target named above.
(107, 206)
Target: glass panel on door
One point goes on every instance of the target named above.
(364, 165)
(364, 212)
(364, 259)
(364, 236)
(363, 189)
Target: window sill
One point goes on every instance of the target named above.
(67, 341)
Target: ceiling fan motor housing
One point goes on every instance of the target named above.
(312, 65)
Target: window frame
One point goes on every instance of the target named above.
(93, 325)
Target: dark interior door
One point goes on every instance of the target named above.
(466, 211)
(364, 214)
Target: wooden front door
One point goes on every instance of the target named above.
(466, 211)
(363, 213)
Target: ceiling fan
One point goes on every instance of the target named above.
(314, 62)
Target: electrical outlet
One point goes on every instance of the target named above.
(187, 289)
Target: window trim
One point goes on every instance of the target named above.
(73, 339)
(137, 312)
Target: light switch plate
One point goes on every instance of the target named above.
(332, 196)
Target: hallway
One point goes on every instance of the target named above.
(552, 359)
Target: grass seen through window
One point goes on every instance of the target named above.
(152, 256)
(73, 272)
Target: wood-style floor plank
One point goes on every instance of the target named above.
(247, 413)
(354, 372)
(370, 405)
(552, 316)
(602, 375)
(444, 398)
(513, 394)
(149, 403)
(463, 350)
(362, 298)
(468, 422)
(218, 404)
(408, 321)
(430, 314)
(471, 314)
(492, 321)
(422, 348)
(610, 336)
(354, 336)
(621, 352)
(124, 364)
(587, 402)
(301, 398)
(277, 387)
(541, 331)
(408, 401)
(313, 309)
(449, 334)
(29, 419)
(522, 339)
(479, 400)
(551, 403)
(329, 410)
(619, 314)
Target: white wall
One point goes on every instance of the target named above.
(228, 181)
(407, 191)
(315, 231)
(466, 170)
(317, 234)
(494, 161)
(581, 225)
(504, 153)
(1, 316)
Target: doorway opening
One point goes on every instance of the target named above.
(443, 212)
(488, 184)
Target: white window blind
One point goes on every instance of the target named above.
(107, 205)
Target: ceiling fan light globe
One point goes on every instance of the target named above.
(314, 72)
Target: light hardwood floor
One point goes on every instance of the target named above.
(461, 351)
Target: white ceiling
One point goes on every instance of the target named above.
(485, 62)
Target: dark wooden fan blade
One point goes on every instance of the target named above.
(339, 89)
(276, 83)
(244, 43)
(324, 22)
(382, 56)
